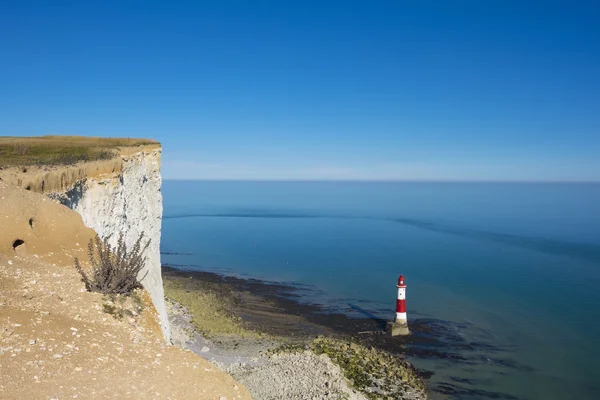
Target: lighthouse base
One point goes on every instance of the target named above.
(397, 328)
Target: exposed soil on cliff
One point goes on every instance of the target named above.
(59, 341)
(56, 163)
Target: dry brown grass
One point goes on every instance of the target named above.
(61, 150)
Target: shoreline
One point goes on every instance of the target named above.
(275, 308)
(437, 350)
(255, 330)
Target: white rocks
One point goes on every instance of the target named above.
(204, 349)
(295, 376)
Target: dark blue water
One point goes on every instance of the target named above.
(514, 268)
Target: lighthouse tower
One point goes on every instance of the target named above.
(400, 324)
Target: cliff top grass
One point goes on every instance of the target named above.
(62, 150)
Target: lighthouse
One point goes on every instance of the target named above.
(399, 327)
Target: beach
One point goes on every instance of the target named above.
(278, 347)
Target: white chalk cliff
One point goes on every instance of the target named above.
(121, 194)
(128, 200)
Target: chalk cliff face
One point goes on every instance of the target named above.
(127, 200)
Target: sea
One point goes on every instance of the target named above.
(506, 275)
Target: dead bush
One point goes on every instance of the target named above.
(113, 270)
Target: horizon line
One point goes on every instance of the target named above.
(386, 180)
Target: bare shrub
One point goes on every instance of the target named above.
(114, 270)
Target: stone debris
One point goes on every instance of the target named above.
(295, 376)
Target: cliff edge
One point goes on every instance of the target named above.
(114, 184)
(59, 341)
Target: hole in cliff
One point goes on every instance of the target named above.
(17, 243)
(24, 169)
(31, 222)
(28, 187)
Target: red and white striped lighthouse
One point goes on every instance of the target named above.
(400, 324)
(401, 302)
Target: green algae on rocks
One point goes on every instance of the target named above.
(209, 307)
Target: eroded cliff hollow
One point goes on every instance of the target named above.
(113, 196)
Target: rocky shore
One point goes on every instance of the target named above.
(246, 330)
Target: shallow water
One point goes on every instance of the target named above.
(506, 275)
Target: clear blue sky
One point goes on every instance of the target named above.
(397, 89)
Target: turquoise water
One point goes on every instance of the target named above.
(511, 269)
